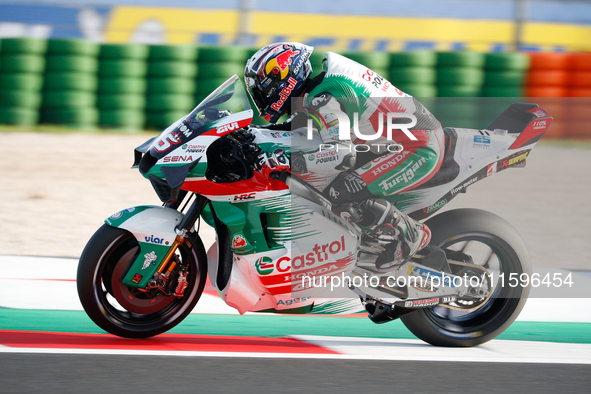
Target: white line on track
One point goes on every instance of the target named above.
(380, 349)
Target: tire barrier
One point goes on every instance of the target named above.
(565, 79)
(70, 83)
(414, 72)
(547, 75)
(460, 74)
(578, 115)
(170, 87)
(122, 84)
(22, 62)
(504, 74)
(133, 86)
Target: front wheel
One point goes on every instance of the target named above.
(129, 312)
(496, 246)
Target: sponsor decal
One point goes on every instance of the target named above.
(228, 127)
(136, 278)
(194, 148)
(177, 159)
(319, 100)
(293, 301)
(435, 206)
(448, 299)
(264, 265)
(422, 303)
(166, 142)
(461, 188)
(393, 161)
(333, 122)
(149, 258)
(491, 169)
(154, 240)
(297, 280)
(309, 274)
(244, 197)
(366, 166)
(320, 253)
(539, 124)
(515, 160)
(118, 215)
(324, 157)
(185, 130)
(334, 131)
(333, 193)
(282, 265)
(538, 112)
(377, 81)
(238, 241)
(305, 56)
(406, 176)
(284, 94)
(481, 141)
(380, 82)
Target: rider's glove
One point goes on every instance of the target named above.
(271, 162)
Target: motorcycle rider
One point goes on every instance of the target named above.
(278, 78)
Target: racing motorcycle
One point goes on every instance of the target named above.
(280, 248)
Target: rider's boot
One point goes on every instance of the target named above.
(404, 237)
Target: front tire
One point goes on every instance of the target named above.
(475, 230)
(104, 262)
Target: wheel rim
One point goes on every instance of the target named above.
(143, 309)
(490, 253)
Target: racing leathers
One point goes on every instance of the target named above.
(353, 156)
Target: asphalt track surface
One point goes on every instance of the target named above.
(50, 373)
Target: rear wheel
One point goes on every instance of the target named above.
(126, 311)
(496, 246)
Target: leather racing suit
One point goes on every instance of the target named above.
(356, 172)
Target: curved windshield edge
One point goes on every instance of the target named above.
(228, 98)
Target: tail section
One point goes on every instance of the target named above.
(529, 121)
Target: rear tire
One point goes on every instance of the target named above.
(105, 261)
(442, 326)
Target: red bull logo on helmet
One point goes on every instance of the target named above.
(284, 60)
(280, 64)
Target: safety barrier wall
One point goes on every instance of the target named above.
(134, 86)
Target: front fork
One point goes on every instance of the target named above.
(167, 266)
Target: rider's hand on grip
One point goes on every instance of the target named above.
(270, 162)
(243, 135)
(243, 140)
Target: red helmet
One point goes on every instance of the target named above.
(276, 73)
